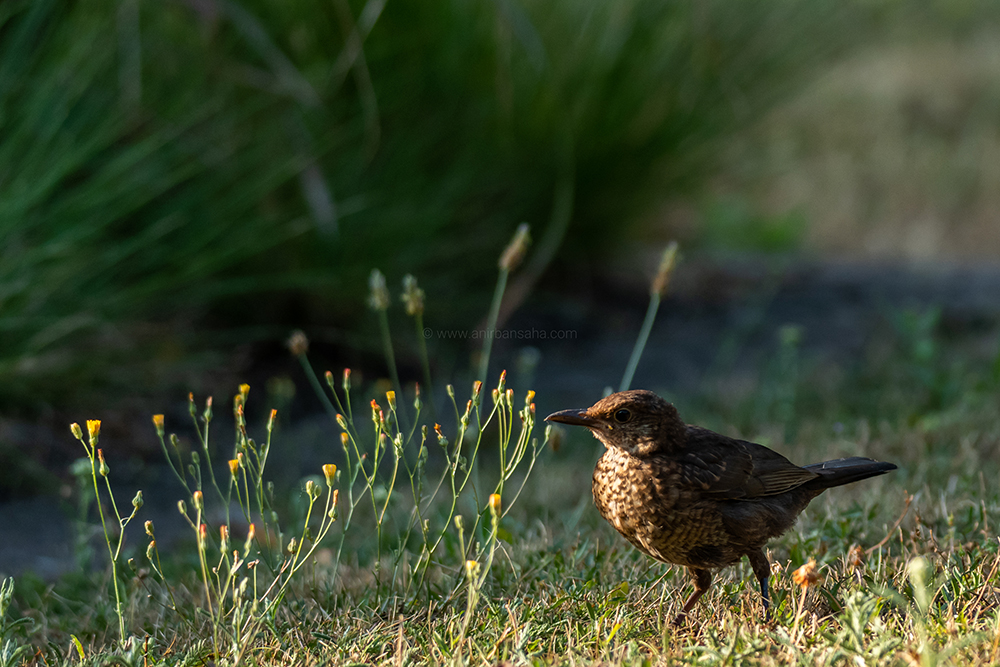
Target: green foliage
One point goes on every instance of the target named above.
(161, 160)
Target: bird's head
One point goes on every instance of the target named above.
(638, 422)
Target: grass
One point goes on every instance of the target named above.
(908, 564)
(163, 165)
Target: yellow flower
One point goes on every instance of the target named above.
(234, 466)
(330, 473)
(158, 423)
(93, 430)
(495, 504)
(807, 575)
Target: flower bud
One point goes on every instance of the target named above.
(158, 423)
(103, 468)
(77, 432)
(234, 466)
(199, 501)
(330, 473)
(391, 397)
(495, 504)
(347, 379)
(270, 420)
(149, 528)
(93, 430)
(137, 501)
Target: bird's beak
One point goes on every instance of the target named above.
(575, 417)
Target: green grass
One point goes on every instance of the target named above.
(562, 587)
(162, 166)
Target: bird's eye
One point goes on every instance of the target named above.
(623, 416)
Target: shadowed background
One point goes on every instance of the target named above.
(183, 183)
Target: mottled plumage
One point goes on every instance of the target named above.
(686, 495)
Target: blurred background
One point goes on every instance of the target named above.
(182, 183)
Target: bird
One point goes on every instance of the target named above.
(686, 495)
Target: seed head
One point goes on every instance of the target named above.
(378, 298)
(514, 253)
(298, 343)
(413, 296)
(662, 280)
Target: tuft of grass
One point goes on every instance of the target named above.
(164, 162)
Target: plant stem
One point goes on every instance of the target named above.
(491, 323)
(390, 360)
(640, 343)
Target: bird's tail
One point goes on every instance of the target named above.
(844, 471)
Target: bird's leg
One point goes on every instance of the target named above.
(762, 570)
(702, 580)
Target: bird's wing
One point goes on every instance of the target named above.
(729, 468)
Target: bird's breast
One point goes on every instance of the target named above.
(644, 500)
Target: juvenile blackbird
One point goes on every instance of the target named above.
(686, 495)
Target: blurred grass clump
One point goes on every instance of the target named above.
(163, 163)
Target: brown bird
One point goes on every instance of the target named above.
(686, 495)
